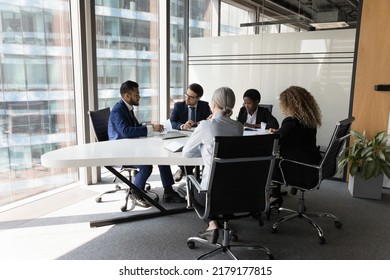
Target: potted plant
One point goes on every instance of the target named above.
(368, 160)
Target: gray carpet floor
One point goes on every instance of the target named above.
(62, 232)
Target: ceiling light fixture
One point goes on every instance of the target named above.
(329, 25)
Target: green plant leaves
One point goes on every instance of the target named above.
(367, 157)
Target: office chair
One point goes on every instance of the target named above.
(312, 176)
(267, 106)
(99, 120)
(238, 187)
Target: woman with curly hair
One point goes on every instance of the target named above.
(297, 133)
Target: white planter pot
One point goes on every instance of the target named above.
(370, 188)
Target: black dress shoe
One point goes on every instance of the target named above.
(293, 191)
(139, 201)
(173, 197)
(210, 235)
(178, 175)
(275, 204)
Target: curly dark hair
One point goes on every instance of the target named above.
(298, 103)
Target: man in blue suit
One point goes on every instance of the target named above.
(187, 114)
(124, 124)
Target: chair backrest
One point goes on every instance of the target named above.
(340, 135)
(267, 106)
(240, 174)
(99, 120)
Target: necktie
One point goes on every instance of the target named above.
(133, 117)
(192, 114)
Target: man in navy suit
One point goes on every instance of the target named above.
(124, 124)
(187, 114)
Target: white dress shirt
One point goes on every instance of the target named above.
(201, 142)
(251, 119)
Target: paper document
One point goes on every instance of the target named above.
(174, 146)
(167, 125)
(168, 132)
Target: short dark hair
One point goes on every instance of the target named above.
(197, 88)
(128, 86)
(252, 94)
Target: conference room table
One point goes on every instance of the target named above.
(137, 151)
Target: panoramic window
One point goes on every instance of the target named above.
(128, 49)
(37, 111)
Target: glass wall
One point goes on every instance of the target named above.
(177, 50)
(37, 96)
(127, 49)
(232, 17)
(199, 25)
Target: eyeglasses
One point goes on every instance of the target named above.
(190, 97)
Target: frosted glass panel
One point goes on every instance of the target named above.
(321, 62)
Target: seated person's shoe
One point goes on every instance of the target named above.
(178, 175)
(139, 201)
(210, 235)
(173, 197)
(293, 191)
(276, 203)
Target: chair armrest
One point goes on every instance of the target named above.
(308, 174)
(192, 186)
(194, 182)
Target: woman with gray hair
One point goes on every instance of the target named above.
(201, 143)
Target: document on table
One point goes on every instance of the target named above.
(169, 133)
(175, 146)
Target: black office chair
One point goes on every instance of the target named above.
(267, 106)
(99, 120)
(238, 187)
(311, 177)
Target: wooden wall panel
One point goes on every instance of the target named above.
(371, 108)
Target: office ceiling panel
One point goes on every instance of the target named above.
(308, 14)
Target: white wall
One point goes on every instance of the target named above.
(320, 61)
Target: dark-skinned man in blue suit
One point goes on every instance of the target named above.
(123, 124)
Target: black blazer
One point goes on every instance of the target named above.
(263, 115)
(298, 142)
(179, 114)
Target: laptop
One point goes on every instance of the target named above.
(171, 135)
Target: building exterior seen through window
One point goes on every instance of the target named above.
(36, 97)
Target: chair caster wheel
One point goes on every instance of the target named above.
(337, 224)
(273, 230)
(270, 257)
(117, 187)
(321, 240)
(98, 199)
(191, 244)
(123, 208)
(234, 237)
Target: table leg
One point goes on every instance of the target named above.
(162, 211)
